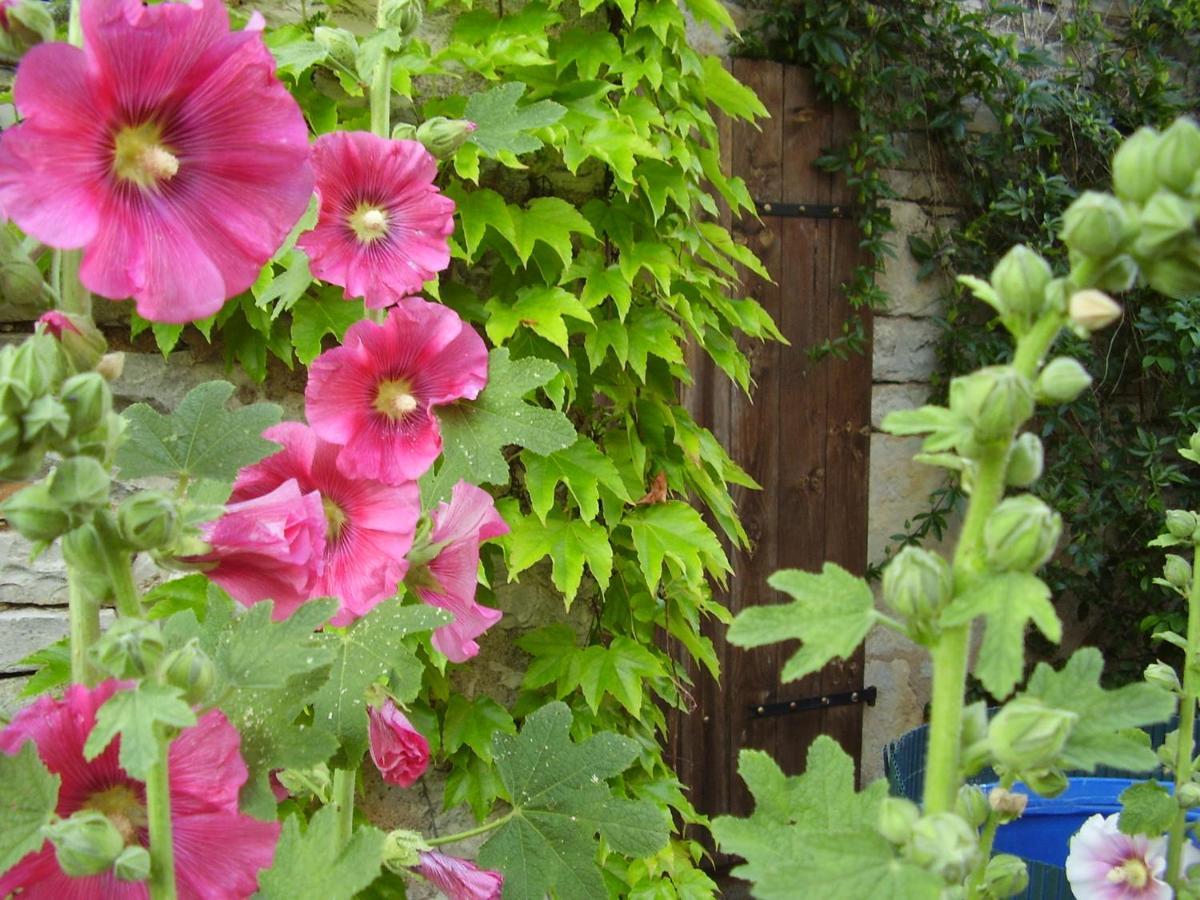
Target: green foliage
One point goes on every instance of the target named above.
(141, 716)
(814, 836)
(1147, 808)
(313, 863)
(560, 802)
(27, 803)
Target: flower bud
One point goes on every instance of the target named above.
(131, 648)
(404, 131)
(1167, 750)
(1020, 279)
(21, 464)
(1177, 571)
(971, 805)
(917, 584)
(1189, 795)
(1133, 168)
(1045, 782)
(1181, 524)
(191, 670)
(402, 849)
(1177, 156)
(1020, 534)
(1061, 381)
(1025, 461)
(33, 514)
(10, 435)
(102, 442)
(1162, 675)
(995, 400)
(23, 25)
(944, 844)
(46, 419)
(896, 819)
(40, 364)
(1165, 220)
(403, 15)
(442, 136)
(1093, 310)
(1026, 734)
(339, 43)
(85, 844)
(974, 751)
(1008, 805)
(399, 751)
(15, 396)
(148, 520)
(133, 864)
(81, 340)
(1095, 224)
(1176, 276)
(87, 399)
(79, 487)
(111, 366)
(1116, 275)
(1005, 876)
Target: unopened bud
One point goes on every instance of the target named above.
(971, 805)
(917, 584)
(1005, 876)
(111, 366)
(131, 648)
(404, 131)
(944, 844)
(1161, 675)
(1025, 462)
(21, 464)
(79, 487)
(46, 419)
(995, 400)
(1176, 276)
(15, 396)
(1165, 220)
(81, 340)
(148, 520)
(191, 670)
(88, 399)
(402, 849)
(1020, 279)
(85, 844)
(1061, 381)
(133, 864)
(1021, 534)
(10, 435)
(1116, 275)
(1177, 156)
(1133, 168)
(1182, 524)
(442, 136)
(974, 752)
(1189, 795)
(39, 363)
(896, 819)
(1095, 225)
(34, 515)
(1026, 734)
(1008, 805)
(1177, 571)
(1045, 782)
(339, 43)
(1093, 310)
(403, 15)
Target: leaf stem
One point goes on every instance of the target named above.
(1187, 719)
(344, 781)
(119, 564)
(158, 811)
(471, 832)
(84, 614)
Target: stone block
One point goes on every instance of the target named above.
(887, 398)
(43, 581)
(909, 294)
(905, 348)
(899, 489)
(24, 630)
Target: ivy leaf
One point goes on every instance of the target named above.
(560, 802)
(472, 723)
(589, 50)
(814, 836)
(369, 649)
(312, 319)
(475, 432)
(551, 221)
(503, 127)
(714, 13)
(832, 614)
(278, 292)
(728, 94)
(673, 534)
(1106, 732)
(201, 439)
(479, 210)
(540, 309)
(582, 468)
(569, 542)
(618, 670)
(137, 715)
(1008, 601)
(1147, 808)
(313, 863)
(652, 331)
(28, 798)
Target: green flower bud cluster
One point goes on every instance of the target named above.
(1020, 535)
(404, 15)
(944, 844)
(918, 585)
(1162, 675)
(134, 648)
(1021, 283)
(66, 499)
(1027, 738)
(442, 136)
(1183, 525)
(1005, 876)
(149, 520)
(996, 401)
(87, 843)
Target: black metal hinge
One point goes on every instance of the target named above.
(804, 210)
(824, 701)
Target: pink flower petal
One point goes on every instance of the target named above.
(399, 751)
(460, 879)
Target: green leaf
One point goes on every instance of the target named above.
(588, 50)
(315, 864)
(714, 13)
(28, 798)
(551, 221)
(368, 650)
(501, 126)
(569, 542)
(582, 468)
(540, 309)
(832, 614)
(1106, 731)
(201, 439)
(54, 669)
(472, 723)
(673, 534)
(294, 49)
(312, 319)
(479, 210)
(652, 331)
(1147, 808)
(1008, 600)
(617, 670)
(475, 432)
(945, 428)
(138, 715)
(728, 94)
(560, 802)
(277, 292)
(814, 836)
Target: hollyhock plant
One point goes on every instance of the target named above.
(449, 579)
(383, 226)
(368, 525)
(374, 396)
(400, 752)
(1105, 864)
(218, 851)
(460, 879)
(271, 545)
(166, 148)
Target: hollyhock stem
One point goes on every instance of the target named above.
(343, 798)
(381, 85)
(470, 832)
(158, 811)
(84, 614)
(1187, 720)
(120, 569)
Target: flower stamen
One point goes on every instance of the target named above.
(395, 399)
(369, 223)
(121, 806)
(140, 156)
(1132, 872)
(335, 518)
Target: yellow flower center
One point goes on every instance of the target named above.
(121, 806)
(395, 400)
(1132, 872)
(140, 156)
(369, 223)
(335, 518)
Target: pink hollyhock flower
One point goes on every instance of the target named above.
(1104, 864)
(218, 851)
(56, 323)
(383, 226)
(269, 546)
(460, 879)
(374, 395)
(400, 752)
(166, 148)
(448, 580)
(368, 525)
